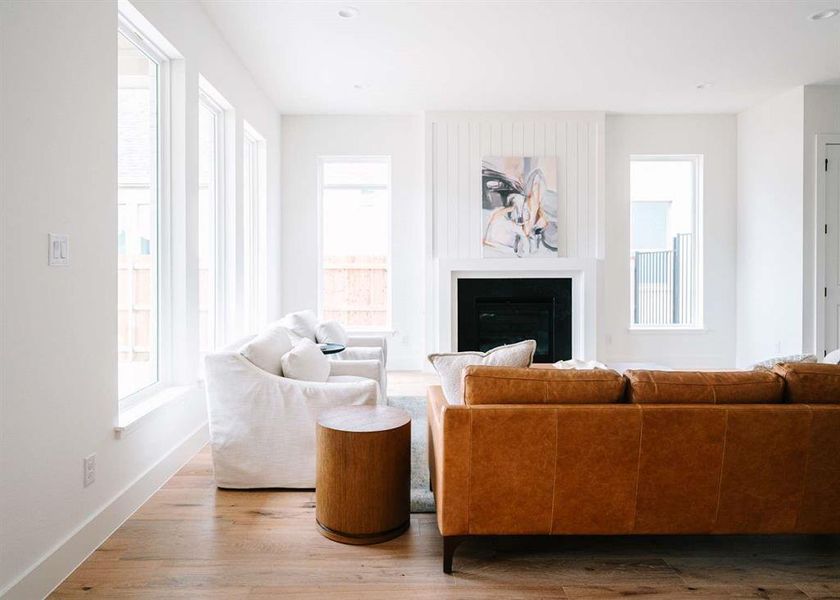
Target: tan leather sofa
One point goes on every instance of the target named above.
(551, 452)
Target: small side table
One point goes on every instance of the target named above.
(363, 473)
(330, 348)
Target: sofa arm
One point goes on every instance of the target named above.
(371, 340)
(449, 462)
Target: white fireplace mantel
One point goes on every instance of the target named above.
(582, 271)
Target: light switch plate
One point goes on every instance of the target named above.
(59, 250)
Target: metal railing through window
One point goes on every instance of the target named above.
(664, 284)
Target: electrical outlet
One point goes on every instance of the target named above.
(89, 469)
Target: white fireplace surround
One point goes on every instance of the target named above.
(582, 272)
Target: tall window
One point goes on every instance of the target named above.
(254, 187)
(210, 216)
(664, 242)
(138, 200)
(355, 241)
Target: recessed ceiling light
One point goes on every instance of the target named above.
(825, 14)
(348, 12)
(704, 85)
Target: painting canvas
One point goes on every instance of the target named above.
(519, 206)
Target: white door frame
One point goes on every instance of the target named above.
(823, 140)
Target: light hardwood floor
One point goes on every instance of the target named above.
(410, 383)
(192, 540)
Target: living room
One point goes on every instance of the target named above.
(339, 297)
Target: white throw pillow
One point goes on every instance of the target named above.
(790, 358)
(267, 349)
(306, 362)
(450, 366)
(301, 324)
(832, 358)
(580, 365)
(331, 332)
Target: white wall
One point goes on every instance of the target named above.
(456, 143)
(58, 389)
(713, 136)
(770, 228)
(305, 138)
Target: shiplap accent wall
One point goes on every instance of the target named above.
(455, 145)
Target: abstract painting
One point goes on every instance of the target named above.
(519, 206)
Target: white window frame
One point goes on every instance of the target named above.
(163, 312)
(322, 161)
(212, 100)
(697, 324)
(254, 221)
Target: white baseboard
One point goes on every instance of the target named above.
(54, 567)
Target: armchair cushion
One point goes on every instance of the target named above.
(266, 350)
(331, 332)
(369, 369)
(306, 362)
(345, 379)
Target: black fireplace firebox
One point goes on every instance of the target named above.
(493, 312)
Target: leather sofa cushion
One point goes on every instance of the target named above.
(810, 383)
(508, 385)
(704, 387)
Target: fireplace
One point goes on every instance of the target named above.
(492, 312)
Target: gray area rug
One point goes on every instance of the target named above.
(422, 500)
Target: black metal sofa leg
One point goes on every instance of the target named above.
(450, 543)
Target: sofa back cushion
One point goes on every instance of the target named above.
(507, 385)
(704, 387)
(807, 383)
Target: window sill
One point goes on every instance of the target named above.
(132, 417)
(667, 330)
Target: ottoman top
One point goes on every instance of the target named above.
(360, 419)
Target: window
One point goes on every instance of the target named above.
(211, 194)
(355, 241)
(138, 200)
(664, 241)
(254, 188)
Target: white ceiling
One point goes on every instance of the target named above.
(630, 56)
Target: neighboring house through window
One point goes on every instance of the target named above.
(665, 266)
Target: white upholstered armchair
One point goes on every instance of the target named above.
(262, 426)
(304, 324)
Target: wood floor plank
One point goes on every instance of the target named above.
(658, 592)
(821, 591)
(191, 540)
